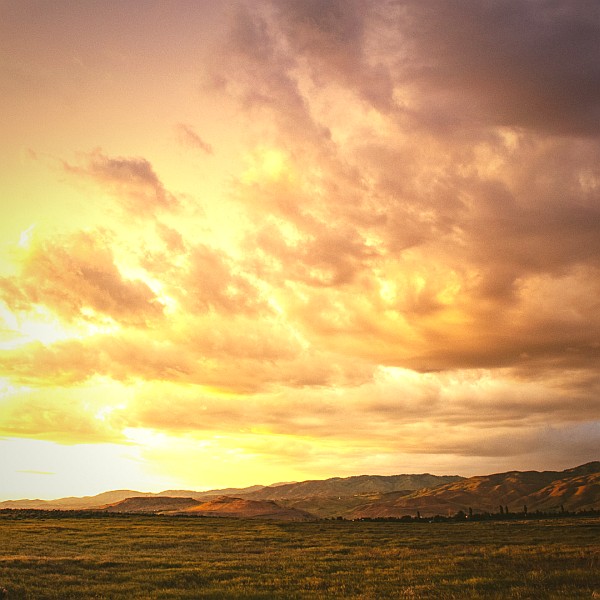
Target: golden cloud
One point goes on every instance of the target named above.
(76, 274)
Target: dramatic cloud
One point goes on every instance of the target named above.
(398, 407)
(512, 63)
(77, 278)
(332, 37)
(387, 258)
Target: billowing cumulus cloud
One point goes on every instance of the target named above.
(450, 244)
(211, 283)
(388, 254)
(237, 357)
(77, 277)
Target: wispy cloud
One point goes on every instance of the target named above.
(132, 180)
(188, 137)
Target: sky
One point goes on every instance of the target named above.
(247, 242)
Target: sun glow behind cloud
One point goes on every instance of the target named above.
(265, 163)
(25, 236)
(263, 241)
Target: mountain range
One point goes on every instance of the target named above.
(571, 490)
(359, 496)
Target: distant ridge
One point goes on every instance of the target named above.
(73, 502)
(354, 485)
(361, 496)
(105, 498)
(351, 486)
(572, 489)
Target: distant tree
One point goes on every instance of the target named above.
(470, 513)
(506, 509)
(418, 515)
(525, 509)
(501, 509)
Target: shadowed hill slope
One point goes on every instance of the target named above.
(144, 504)
(574, 489)
(580, 492)
(351, 486)
(224, 506)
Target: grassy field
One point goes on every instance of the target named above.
(161, 557)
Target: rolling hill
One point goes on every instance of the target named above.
(105, 498)
(350, 486)
(361, 496)
(153, 504)
(74, 502)
(223, 506)
(335, 487)
(226, 506)
(573, 489)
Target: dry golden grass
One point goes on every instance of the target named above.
(147, 557)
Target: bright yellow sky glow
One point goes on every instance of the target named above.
(249, 242)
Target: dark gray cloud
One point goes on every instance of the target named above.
(511, 63)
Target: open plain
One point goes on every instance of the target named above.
(146, 556)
